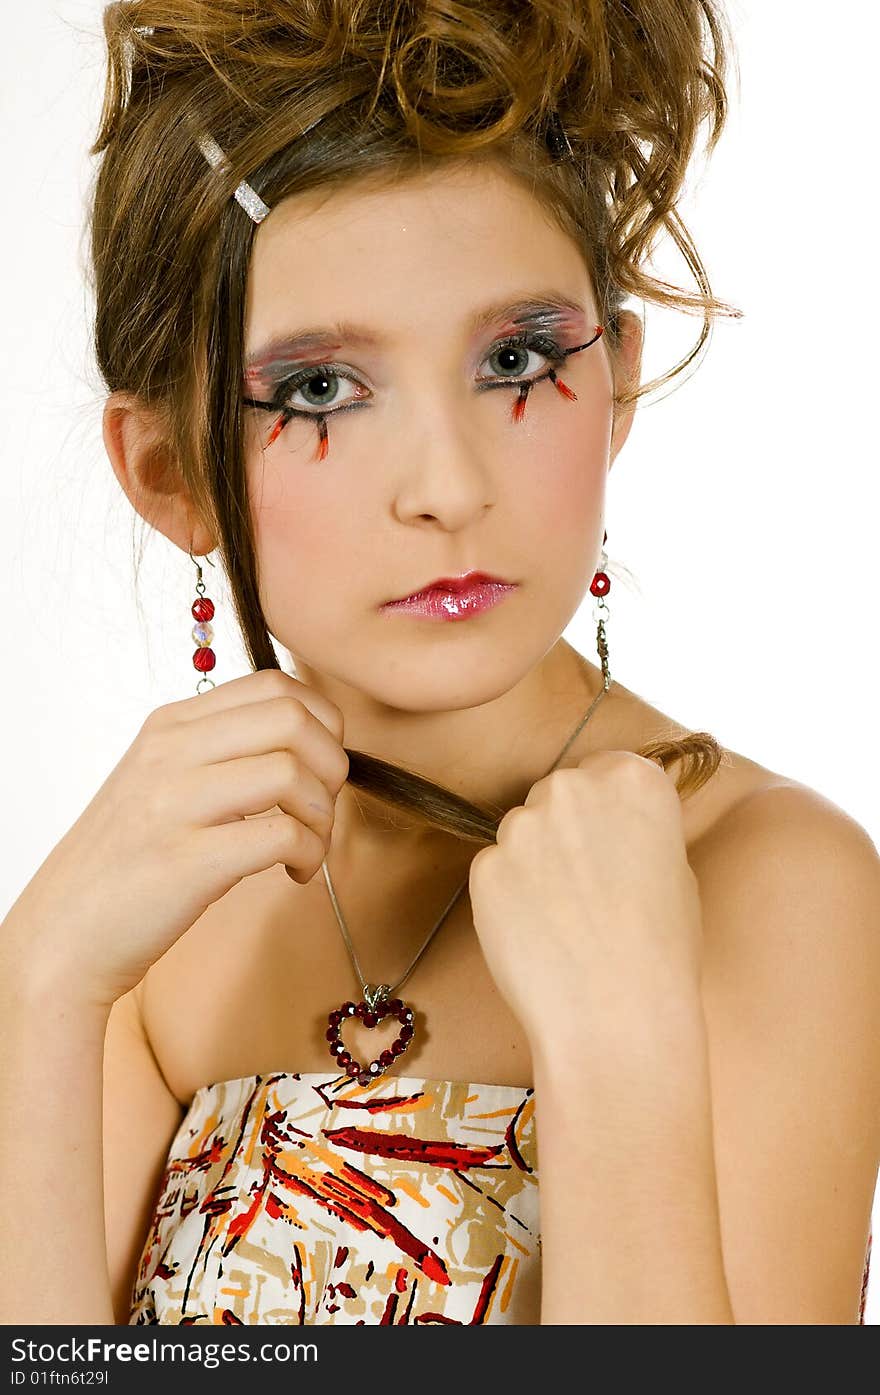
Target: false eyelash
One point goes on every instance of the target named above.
(544, 344)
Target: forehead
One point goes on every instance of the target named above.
(423, 251)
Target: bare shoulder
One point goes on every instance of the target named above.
(782, 868)
(799, 862)
(789, 888)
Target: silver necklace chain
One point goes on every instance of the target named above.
(372, 992)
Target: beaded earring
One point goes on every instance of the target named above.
(599, 587)
(204, 657)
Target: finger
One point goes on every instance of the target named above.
(255, 785)
(252, 687)
(258, 728)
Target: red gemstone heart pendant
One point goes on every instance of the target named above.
(373, 1008)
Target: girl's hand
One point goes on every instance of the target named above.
(169, 831)
(586, 904)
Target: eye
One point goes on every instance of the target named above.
(513, 359)
(319, 383)
(319, 386)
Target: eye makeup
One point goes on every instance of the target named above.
(534, 339)
(547, 347)
(546, 308)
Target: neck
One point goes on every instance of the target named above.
(504, 746)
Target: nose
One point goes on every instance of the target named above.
(445, 475)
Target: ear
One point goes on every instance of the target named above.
(627, 365)
(137, 447)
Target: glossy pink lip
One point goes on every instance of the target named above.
(447, 584)
(455, 602)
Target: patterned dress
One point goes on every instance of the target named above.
(307, 1198)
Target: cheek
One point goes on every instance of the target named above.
(307, 540)
(562, 482)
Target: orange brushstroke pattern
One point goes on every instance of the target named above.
(304, 1198)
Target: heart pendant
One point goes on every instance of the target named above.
(373, 1008)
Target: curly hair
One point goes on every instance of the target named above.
(596, 105)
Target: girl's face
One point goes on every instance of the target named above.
(403, 291)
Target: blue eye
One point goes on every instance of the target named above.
(516, 346)
(320, 383)
(318, 379)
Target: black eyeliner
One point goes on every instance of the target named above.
(528, 338)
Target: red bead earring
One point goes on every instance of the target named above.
(599, 587)
(204, 657)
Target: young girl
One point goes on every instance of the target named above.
(447, 981)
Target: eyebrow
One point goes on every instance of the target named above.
(550, 305)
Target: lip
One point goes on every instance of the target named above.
(454, 598)
(450, 584)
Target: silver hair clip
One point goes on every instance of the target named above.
(557, 139)
(246, 196)
(255, 208)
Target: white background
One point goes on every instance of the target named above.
(744, 503)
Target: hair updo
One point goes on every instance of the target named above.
(597, 105)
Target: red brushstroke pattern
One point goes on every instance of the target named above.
(376, 1104)
(487, 1290)
(254, 1168)
(402, 1147)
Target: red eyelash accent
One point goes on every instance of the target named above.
(562, 387)
(519, 406)
(517, 410)
(323, 445)
(277, 430)
(322, 438)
